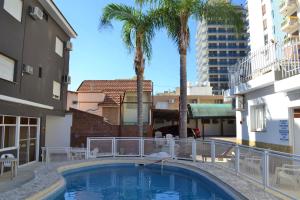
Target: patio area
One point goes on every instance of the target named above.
(25, 174)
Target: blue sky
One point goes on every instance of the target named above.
(101, 54)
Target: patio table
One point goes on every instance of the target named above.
(13, 167)
(78, 153)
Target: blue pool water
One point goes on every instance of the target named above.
(124, 181)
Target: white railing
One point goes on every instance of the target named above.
(278, 57)
(273, 170)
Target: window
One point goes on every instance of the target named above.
(56, 90)
(40, 72)
(265, 26)
(7, 68)
(7, 132)
(230, 121)
(266, 39)
(263, 8)
(131, 102)
(258, 118)
(215, 121)
(59, 47)
(14, 8)
(206, 121)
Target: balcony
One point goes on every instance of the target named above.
(290, 24)
(276, 64)
(288, 7)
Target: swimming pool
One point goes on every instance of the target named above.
(129, 181)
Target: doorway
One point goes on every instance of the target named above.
(296, 131)
(28, 141)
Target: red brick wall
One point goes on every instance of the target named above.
(88, 125)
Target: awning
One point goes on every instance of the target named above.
(197, 111)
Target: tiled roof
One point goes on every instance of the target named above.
(112, 85)
(113, 89)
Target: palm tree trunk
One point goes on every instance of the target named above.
(139, 71)
(183, 97)
(183, 43)
(139, 81)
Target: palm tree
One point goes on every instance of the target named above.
(176, 15)
(137, 32)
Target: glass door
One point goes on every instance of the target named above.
(28, 140)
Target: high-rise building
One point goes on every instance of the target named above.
(218, 46)
(290, 11)
(264, 23)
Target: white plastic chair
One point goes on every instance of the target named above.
(94, 153)
(6, 163)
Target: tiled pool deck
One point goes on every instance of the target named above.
(48, 179)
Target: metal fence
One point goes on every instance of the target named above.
(273, 170)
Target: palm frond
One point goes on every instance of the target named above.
(118, 12)
(223, 12)
(128, 35)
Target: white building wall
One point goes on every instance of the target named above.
(58, 131)
(255, 20)
(276, 106)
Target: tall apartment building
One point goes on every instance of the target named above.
(34, 67)
(264, 23)
(290, 11)
(218, 46)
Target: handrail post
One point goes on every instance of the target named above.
(194, 150)
(213, 151)
(237, 159)
(266, 169)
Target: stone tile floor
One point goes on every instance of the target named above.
(44, 177)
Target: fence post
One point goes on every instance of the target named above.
(47, 156)
(141, 147)
(213, 151)
(172, 148)
(266, 168)
(194, 150)
(114, 147)
(88, 148)
(237, 159)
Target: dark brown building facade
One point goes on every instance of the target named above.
(34, 67)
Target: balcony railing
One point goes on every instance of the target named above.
(227, 47)
(280, 57)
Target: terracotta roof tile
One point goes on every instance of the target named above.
(112, 85)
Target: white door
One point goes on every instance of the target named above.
(297, 131)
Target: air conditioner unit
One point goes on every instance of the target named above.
(171, 100)
(36, 13)
(67, 79)
(28, 69)
(239, 103)
(69, 46)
